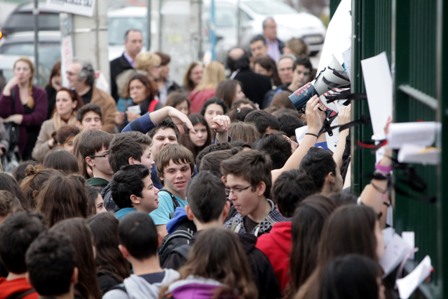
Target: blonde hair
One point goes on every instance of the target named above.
(214, 73)
(30, 102)
(147, 60)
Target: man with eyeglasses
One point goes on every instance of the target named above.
(247, 176)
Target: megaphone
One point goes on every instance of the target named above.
(331, 77)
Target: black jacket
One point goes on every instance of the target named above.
(117, 66)
(255, 86)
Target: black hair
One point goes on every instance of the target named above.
(262, 120)
(206, 196)
(137, 232)
(126, 145)
(16, 235)
(90, 107)
(290, 188)
(216, 101)
(303, 60)
(167, 123)
(289, 121)
(50, 261)
(126, 182)
(256, 38)
(211, 148)
(318, 163)
(61, 160)
(277, 147)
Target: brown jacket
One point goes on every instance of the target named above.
(108, 108)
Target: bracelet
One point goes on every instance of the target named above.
(312, 134)
(382, 168)
(382, 191)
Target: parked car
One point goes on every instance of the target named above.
(22, 44)
(290, 23)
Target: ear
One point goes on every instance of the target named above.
(225, 211)
(124, 251)
(135, 199)
(75, 274)
(74, 104)
(189, 212)
(89, 161)
(132, 161)
(330, 178)
(261, 188)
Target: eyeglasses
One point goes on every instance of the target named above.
(100, 156)
(236, 190)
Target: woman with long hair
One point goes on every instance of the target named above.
(54, 84)
(112, 267)
(230, 91)
(67, 103)
(24, 104)
(351, 229)
(206, 89)
(61, 198)
(82, 239)
(198, 140)
(216, 267)
(193, 76)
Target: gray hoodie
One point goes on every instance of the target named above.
(138, 288)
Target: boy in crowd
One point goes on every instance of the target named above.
(139, 240)
(175, 164)
(248, 179)
(93, 148)
(127, 149)
(52, 267)
(90, 116)
(133, 190)
(16, 235)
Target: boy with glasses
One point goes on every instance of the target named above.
(247, 176)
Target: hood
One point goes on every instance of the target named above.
(179, 216)
(137, 287)
(280, 234)
(194, 287)
(248, 242)
(9, 287)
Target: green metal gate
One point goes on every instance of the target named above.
(413, 33)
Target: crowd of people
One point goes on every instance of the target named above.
(193, 190)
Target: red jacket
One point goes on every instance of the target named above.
(198, 99)
(9, 287)
(276, 245)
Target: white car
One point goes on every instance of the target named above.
(290, 23)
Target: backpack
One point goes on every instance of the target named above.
(173, 242)
(21, 294)
(175, 202)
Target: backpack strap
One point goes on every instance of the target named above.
(183, 250)
(180, 233)
(175, 202)
(152, 105)
(21, 294)
(120, 287)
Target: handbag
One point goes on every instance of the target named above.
(13, 133)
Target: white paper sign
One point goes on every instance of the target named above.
(394, 252)
(407, 285)
(410, 153)
(416, 133)
(378, 82)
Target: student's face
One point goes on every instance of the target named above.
(212, 111)
(64, 104)
(137, 91)
(239, 93)
(200, 137)
(258, 49)
(149, 199)
(176, 177)
(101, 162)
(245, 200)
(379, 240)
(147, 158)
(91, 120)
(99, 204)
(69, 144)
(261, 70)
(301, 75)
(183, 107)
(162, 138)
(284, 68)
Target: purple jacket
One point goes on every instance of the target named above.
(31, 120)
(194, 287)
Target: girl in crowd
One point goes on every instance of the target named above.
(351, 229)
(8, 183)
(82, 239)
(95, 200)
(230, 91)
(67, 103)
(216, 268)
(54, 84)
(198, 140)
(212, 108)
(61, 160)
(193, 76)
(65, 137)
(351, 277)
(61, 198)
(266, 66)
(35, 178)
(213, 74)
(112, 267)
(144, 99)
(24, 105)
(307, 223)
(180, 101)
